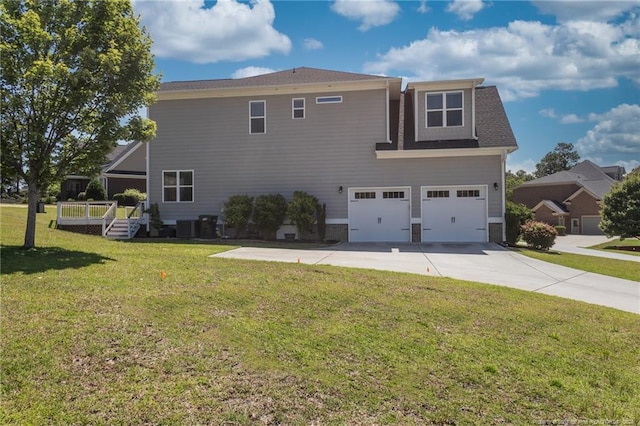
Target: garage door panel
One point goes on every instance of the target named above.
(454, 214)
(379, 214)
(590, 225)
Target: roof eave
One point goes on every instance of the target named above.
(394, 85)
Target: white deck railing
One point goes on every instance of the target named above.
(136, 217)
(86, 213)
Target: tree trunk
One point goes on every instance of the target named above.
(32, 206)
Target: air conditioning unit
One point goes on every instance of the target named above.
(186, 228)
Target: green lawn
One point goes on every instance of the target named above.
(600, 265)
(91, 334)
(627, 242)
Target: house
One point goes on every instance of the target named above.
(570, 198)
(421, 164)
(126, 167)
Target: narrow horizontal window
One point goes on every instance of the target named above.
(437, 194)
(365, 195)
(393, 194)
(468, 193)
(329, 100)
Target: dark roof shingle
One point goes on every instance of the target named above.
(492, 124)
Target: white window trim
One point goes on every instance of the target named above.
(329, 100)
(264, 117)
(177, 186)
(443, 110)
(294, 108)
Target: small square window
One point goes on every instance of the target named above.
(177, 186)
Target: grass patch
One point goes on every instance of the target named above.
(106, 340)
(624, 269)
(611, 246)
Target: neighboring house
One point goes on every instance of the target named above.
(423, 164)
(570, 198)
(125, 168)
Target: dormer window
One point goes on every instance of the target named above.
(444, 109)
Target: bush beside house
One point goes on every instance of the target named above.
(538, 235)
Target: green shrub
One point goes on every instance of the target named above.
(321, 218)
(130, 197)
(154, 216)
(237, 212)
(515, 216)
(82, 196)
(95, 190)
(538, 235)
(560, 229)
(269, 212)
(302, 211)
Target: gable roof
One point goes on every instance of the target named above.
(555, 207)
(585, 174)
(119, 154)
(302, 75)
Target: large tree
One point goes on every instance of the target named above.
(563, 157)
(621, 209)
(512, 180)
(74, 74)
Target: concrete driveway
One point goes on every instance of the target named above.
(487, 263)
(578, 244)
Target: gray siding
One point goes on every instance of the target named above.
(445, 133)
(333, 146)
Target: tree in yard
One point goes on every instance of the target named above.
(302, 211)
(95, 191)
(237, 212)
(620, 210)
(269, 213)
(563, 157)
(74, 73)
(514, 179)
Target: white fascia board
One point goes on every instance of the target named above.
(125, 176)
(437, 153)
(445, 84)
(229, 92)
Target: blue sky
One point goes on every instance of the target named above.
(567, 71)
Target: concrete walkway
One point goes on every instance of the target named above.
(578, 244)
(487, 263)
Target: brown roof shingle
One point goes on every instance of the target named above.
(302, 75)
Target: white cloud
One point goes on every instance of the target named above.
(527, 165)
(465, 9)
(549, 113)
(251, 71)
(571, 10)
(523, 58)
(571, 119)
(617, 132)
(227, 31)
(423, 8)
(312, 44)
(372, 13)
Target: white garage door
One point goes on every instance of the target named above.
(590, 225)
(454, 214)
(380, 214)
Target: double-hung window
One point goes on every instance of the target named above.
(177, 186)
(257, 117)
(444, 109)
(297, 108)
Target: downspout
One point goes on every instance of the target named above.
(147, 203)
(387, 107)
(474, 135)
(416, 118)
(504, 194)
